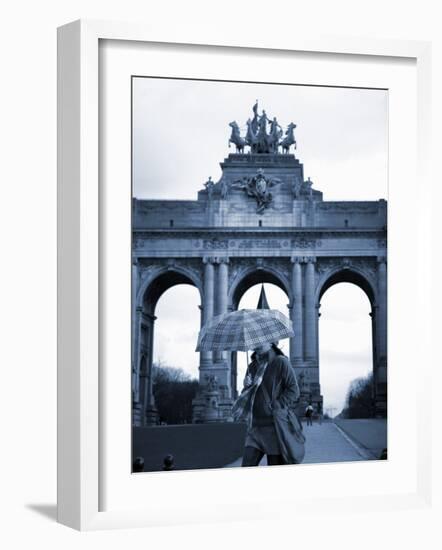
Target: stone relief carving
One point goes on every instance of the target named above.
(305, 242)
(215, 244)
(239, 266)
(258, 187)
(365, 265)
(147, 266)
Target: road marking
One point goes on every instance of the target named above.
(362, 452)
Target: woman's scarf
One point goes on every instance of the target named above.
(243, 406)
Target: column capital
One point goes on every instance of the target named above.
(222, 260)
(381, 259)
(208, 260)
(310, 259)
(135, 261)
(297, 259)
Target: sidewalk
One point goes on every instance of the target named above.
(370, 433)
(325, 442)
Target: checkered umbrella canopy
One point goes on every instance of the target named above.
(244, 330)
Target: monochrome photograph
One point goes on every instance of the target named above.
(259, 274)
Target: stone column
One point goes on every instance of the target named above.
(223, 275)
(136, 326)
(297, 342)
(208, 303)
(311, 316)
(135, 374)
(381, 333)
(137, 403)
(221, 294)
(151, 413)
(214, 400)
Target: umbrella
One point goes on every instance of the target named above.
(244, 330)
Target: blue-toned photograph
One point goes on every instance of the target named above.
(259, 274)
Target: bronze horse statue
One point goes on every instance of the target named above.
(236, 138)
(289, 138)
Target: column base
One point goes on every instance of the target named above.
(137, 415)
(380, 405)
(209, 406)
(151, 416)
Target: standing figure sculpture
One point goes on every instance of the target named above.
(296, 187)
(251, 139)
(262, 137)
(224, 189)
(209, 185)
(254, 122)
(275, 135)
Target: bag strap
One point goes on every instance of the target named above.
(266, 396)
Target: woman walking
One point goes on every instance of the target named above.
(270, 389)
(270, 385)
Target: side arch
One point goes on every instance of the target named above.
(350, 274)
(160, 280)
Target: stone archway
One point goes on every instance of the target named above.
(148, 295)
(234, 235)
(254, 275)
(371, 279)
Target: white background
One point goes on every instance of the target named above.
(27, 300)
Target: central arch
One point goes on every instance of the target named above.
(244, 281)
(255, 275)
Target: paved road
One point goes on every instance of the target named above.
(326, 443)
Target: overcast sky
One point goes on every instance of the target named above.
(181, 135)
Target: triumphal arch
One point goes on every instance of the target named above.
(262, 222)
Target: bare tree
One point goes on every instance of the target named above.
(174, 391)
(359, 400)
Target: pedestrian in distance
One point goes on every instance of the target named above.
(309, 414)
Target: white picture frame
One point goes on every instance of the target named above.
(80, 395)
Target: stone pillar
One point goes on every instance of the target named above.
(223, 275)
(210, 404)
(150, 410)
(135, 374)
(221, 294)
(208, 303)
(381, 333)
(311, 316)
(136, 332)
(137, 398)
(297, 342)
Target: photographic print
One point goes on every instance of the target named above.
(259, 274)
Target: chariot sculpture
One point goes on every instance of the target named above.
(264, 135)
